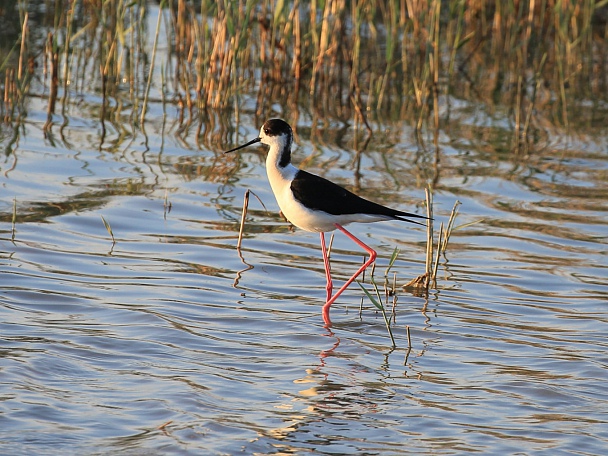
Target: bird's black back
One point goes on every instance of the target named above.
(321, 194)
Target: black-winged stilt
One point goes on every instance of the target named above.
(315, 204)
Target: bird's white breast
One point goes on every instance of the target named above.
(280, 181)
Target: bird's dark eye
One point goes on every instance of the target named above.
(267, 131)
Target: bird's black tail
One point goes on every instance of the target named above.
(405, 217)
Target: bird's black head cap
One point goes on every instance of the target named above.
(278, 127)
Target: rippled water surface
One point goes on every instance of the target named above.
(168, 342)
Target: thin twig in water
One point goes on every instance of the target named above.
(429, 236)
(434, 275)
(409, 345)
(394, 292)
(409, 337)
(361, 308)
(14, 221)
(448, 230)
(164, 425)
(109, 229)
(243, 215)
(166, 204)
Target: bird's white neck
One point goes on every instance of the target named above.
(278, 165)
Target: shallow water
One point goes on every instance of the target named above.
(168, 343)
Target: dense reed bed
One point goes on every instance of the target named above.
(353, 61)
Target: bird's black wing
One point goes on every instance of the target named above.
(321, 194)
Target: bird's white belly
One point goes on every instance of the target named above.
(314, 220)
(305, 218)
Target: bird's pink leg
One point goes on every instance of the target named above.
(372, 258)
(330, 285)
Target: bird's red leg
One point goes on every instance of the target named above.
(330, 285)
(372, 258)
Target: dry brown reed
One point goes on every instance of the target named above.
(428, 279)
(346, 60)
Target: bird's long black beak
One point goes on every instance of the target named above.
(253, 141)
